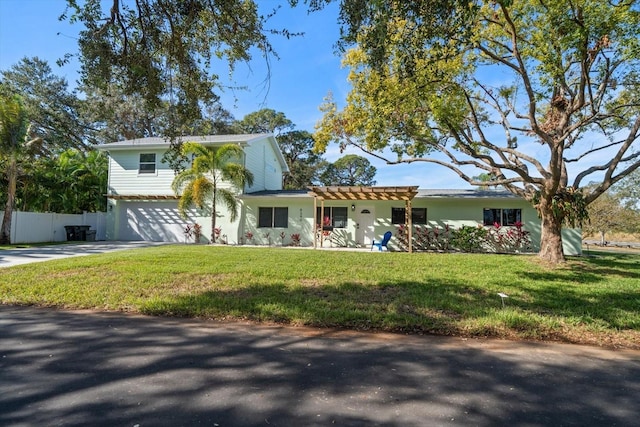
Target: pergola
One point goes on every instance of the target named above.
(352, 194)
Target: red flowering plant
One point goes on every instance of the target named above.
(425, 239)
(402, 237)
(194, 231)
(325, 229)
(295, 239)
(197, 232)
(188, 232)
(508, 239)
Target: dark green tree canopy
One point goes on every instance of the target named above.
(70, 181)
(165, 50)
(304, 163)
(52, 109)
(349, 170)
(265, 120)
(116, 116)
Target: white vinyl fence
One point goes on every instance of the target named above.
(32, 227)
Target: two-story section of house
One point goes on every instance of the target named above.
(141, 204)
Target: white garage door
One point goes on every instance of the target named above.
(151, 221)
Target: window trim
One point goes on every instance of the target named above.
(501, 213)
(404, 216)
(142, 171)
(273, 216)
(332, 217)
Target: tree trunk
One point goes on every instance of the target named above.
(603, 242)
(12, 178)
(213, 219)
(551, 239)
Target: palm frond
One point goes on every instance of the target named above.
(203, 164)
(202, 190)
(229, 153)
(13, 124)
(182, 179)
(185, 202)
(237, 174)
(193, 148)
(228, 198)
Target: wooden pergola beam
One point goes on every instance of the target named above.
(141, 197)
(364, 193)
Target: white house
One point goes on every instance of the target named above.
(142, 206)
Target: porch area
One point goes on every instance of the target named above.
(324, 228)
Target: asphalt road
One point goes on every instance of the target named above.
(107, 369)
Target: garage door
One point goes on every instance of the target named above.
(151, 221)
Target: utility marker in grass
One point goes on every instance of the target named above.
(502, 297)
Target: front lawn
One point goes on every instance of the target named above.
(591, 300)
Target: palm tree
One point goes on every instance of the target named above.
(205, 183)
(14, 146)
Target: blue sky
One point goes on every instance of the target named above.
(308, 69)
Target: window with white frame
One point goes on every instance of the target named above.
(418, 216)
(507, 217)
(147, 163)
(273, 217)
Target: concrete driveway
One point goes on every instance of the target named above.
(111, 369)
(12, 257)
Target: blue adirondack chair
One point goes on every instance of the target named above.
(383, 243)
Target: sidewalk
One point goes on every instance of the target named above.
(18, 256)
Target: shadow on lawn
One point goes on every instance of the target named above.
(110, 369)
(407, 306)
(438, 307)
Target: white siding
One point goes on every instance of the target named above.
(300, 221)
(124, 177)
(261, 160)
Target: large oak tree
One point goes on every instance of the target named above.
(167, 51)
(544, 96)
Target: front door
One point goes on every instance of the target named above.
(365, 219)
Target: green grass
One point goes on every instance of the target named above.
(593, 300)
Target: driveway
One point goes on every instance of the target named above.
(108, 369)
(11, 257)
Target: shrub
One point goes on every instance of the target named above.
(496, 239)
(425, 238)
(508, 239)
(469, 239)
